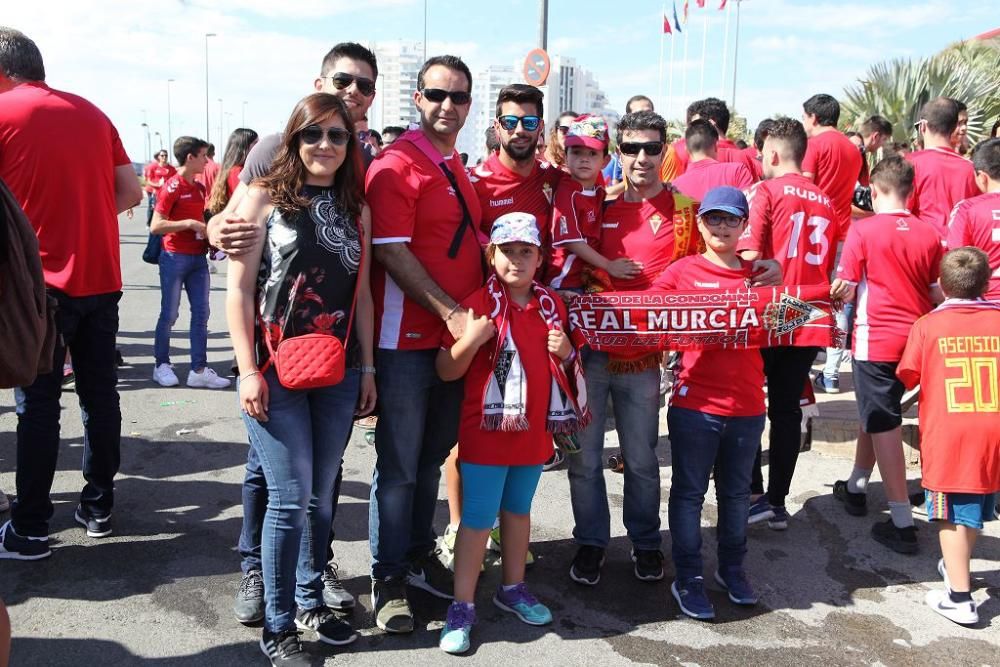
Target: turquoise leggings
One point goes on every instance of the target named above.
(488, 489)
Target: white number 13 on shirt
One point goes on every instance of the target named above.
(816, 237)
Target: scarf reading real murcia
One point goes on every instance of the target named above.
(637, 323)
(505, 394)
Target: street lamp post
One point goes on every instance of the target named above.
(170, 134)
(207, 130)
(149, 143)
(159, 139)
(243, 115)
(220, 144)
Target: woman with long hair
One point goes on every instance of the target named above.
(308, 274)
(240, 143)
(555, 149)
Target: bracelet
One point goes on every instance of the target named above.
(368, 369)
(250, 374)
(452, 311)
(571, 357)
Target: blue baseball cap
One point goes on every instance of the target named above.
(725, 198)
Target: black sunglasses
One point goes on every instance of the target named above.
(509, 122)
(563, 129)
(343, 80)
(313, 134)
(717, 219)
(437, 95)
(633, 148)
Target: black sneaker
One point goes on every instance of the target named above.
(648, 564)
(586, 567)
(335, 596)
(900, 540)
(392, 609)
(284, 649)
(429, 574)
(917, 499)
(856, 504)
(328, 628)
(96, 526)
(249, 604)
(16, 547)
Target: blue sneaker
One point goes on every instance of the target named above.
(19, 547)
(760, 510)
(735, 583)
(522, 604)
(690, 595)
(458, 627)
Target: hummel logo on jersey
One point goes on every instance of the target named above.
(702, 285)
(609, 225)
(901, 225)
(509, 201)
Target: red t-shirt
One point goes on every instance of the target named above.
(207, 177)
(894, 260)
(506, 448)
(501, 191)
(154, 171)
(66, 187)
(941, 179)
(704, 175)
(835, 163)
(642, 231)
(726, 151)
(576, 216)
(729, 383)
(754, 162)
(954, 355)
(413, 203)
(791, 221)
(179, 199)
(233, 179)
(976, 222)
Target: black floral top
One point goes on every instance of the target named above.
(309, 272)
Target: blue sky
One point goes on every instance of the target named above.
(119, 54)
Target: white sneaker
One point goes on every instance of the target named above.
(207, 379)
(164, 376)
(963, 613)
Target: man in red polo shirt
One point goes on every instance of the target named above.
(74, 210)
(942, 177)
(705, 172)
(425, 217)
(156, 174)
(976, 221)
(716, 112)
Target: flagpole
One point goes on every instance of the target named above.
(736, 54)
(659, 80)
(670, 96)
(725, 53)
(684, 77)
(704, 45)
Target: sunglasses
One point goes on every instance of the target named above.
(529, 123)
(634, 148)
(563, 129)
(313, 134)
(438, 95)
(716, 220)
(342, 80)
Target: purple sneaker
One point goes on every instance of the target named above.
(458, 627)
(522, 604)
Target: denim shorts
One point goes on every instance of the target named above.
(961, 509)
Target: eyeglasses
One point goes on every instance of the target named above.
(313, 134)
(716, 219)
(634, 148)
(342, 80)
(438, 95)
(563, 129)
(529, 123)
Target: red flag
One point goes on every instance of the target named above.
(685, 12)
(722, 5)
(701, 4)
(666, 25)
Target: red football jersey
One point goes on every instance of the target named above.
(180, 200)
(894, 259)
(954, 355)
(726, 151)
(642, 231)
(791, 221)
(729, 383)
(153, 172)
(413, 203)
(707, 174)
(941, 179)
(835, 163)
(576, 216)
(501, 191)
(976, 222)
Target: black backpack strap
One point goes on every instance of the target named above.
(467, 222)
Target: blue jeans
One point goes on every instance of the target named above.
(635, 398)
(87, 326)
(190, 272)
(698, 442)
(300, 448)
(417, 427)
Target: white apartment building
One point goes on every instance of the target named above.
(571, 87)
(398, 66)
(486, 86)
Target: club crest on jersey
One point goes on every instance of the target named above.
(547, 191)
(901, 225)
(563, 227)
(788, 314)
(655, 221)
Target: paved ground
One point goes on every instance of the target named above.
(159, 591)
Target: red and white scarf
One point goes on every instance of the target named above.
(505, 396)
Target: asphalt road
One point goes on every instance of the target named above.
(160, 590)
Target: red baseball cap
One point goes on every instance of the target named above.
(588, 130)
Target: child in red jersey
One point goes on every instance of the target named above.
(953, 353)
(890, 263)
(515, 357)
(715, 420)
(976, 221)
(577, 208)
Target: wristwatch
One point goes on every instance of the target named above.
(368, 369)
